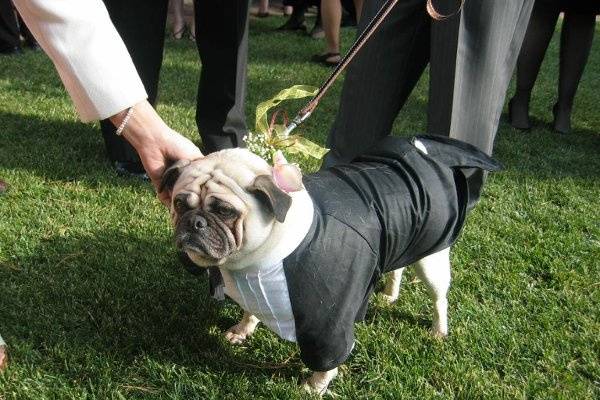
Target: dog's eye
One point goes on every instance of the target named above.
(227, 212)
(224, 211)
(180, 203)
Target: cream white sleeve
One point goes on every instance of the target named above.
(88, 53)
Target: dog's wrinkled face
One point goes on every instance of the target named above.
(218, 199)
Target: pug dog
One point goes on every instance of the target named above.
(302, 254)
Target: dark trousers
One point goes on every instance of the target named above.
(490, 37)
(11, 26)
(141, 25)
(386, 70)
(222, 40)
(472, 60)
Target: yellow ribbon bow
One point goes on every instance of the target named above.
(272, 134)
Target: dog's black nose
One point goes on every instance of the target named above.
(199, 222)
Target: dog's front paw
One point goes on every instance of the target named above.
(238, 333)
(388, 299)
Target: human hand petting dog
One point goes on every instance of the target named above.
(156, 143)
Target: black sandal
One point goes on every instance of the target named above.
(178, 35)
(324, 59)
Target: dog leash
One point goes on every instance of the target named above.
(385, 9)
(306, 111)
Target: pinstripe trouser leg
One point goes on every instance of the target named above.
(384, 73)
(380, 78)
(490, 37)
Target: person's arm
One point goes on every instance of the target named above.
(97, 71)
(88, 53)
(156, 143)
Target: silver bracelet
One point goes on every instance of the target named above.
(121, 127)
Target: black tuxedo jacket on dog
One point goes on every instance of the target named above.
(387, 209)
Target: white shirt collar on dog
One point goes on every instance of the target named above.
(263, 292)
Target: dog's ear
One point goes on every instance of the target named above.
(276, 200)
(171, 174)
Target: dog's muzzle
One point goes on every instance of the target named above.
(204, 234)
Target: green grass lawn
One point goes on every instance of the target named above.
(94, 304)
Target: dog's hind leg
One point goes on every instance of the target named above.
(392, 285)
(319, 381)
(434, 270)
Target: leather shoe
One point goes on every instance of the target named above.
(131, 170)
(293, 24)
(33, 46)
(11, 51)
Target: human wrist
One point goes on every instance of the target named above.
(144, 126)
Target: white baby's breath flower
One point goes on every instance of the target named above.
(258, 144)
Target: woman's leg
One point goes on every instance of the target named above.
(575, 44)
(358, 4)
(263, 7)
(178, 18)
(331, 17)
(539, 32)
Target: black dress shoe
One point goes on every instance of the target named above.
(11, 51)
(131, 170)
(293, 24)
(33, 46)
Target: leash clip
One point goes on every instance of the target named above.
(298, 119)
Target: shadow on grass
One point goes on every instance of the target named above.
(58, 150)
(542, 153)
(114, 297)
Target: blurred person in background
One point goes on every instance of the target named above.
(180, 26)
(263, 9)
(331, 20)
(577, 33)
(12, 28)
(296, 21)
